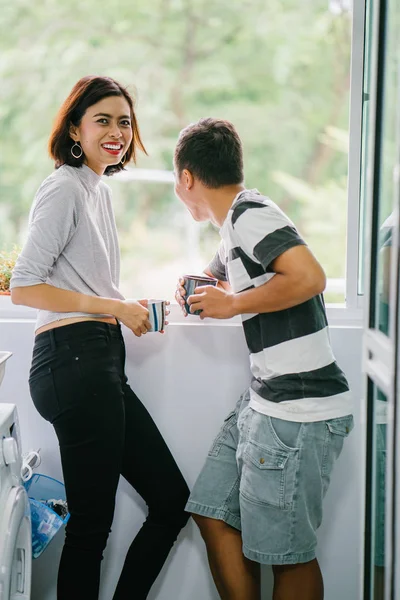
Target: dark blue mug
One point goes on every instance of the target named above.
(191, 282)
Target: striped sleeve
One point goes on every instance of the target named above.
(264, 231)
(217, 265)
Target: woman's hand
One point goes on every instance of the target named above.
(167, 311)
(134, 315)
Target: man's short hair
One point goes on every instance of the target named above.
(212, 151)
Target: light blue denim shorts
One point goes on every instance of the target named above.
(267, 478)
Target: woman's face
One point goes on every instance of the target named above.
(105, 133)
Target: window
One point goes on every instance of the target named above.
(381, 280)
(288, 96)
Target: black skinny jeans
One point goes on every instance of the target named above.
(77, 382)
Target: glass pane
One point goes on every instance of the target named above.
(378, 493)
(388, 163)
(369, 30)
(286, 94)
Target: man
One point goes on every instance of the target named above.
(258, 499)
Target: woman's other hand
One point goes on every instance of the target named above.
(145, 303)
(134, 315)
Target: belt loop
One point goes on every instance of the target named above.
(52, 339)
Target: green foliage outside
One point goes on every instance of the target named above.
(278, 69)
(7, 263)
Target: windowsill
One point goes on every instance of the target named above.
(338, 316)
(10, 311)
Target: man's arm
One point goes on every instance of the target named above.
(298, 277)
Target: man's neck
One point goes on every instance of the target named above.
(220, 201)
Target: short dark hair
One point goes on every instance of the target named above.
(212, 151)
(86, 92)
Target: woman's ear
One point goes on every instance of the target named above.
(73, 133)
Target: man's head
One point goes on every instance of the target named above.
(208, 156)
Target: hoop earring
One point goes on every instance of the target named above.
(123, 159)
(72, 150)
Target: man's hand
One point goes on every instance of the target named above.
(213, 302)
(180, 294)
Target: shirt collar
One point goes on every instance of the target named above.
(88, 176)
(235, 200)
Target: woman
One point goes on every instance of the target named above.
(69, 270)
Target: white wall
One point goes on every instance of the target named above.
(211, 360)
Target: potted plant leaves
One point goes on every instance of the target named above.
(7, 263)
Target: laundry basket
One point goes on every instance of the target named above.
(45, 521)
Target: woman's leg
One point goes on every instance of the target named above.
(150, 468)
(91, 437)
(76, 383)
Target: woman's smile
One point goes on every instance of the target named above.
(112, 148)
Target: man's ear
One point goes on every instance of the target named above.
(188, 179)
(73, 133)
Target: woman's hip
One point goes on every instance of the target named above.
(76, 368)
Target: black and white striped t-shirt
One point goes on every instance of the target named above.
(295, 375)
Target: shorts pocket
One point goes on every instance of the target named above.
(223, 433)
(336, 432)
(285, 433)
(267, 476)
(341, 426)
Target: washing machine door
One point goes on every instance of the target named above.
(15, 546)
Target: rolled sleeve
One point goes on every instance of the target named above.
(275, 244)
(52, 224)
(265, 233)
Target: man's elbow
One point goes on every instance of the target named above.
(318, 283)
(314, 283)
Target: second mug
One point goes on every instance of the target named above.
(191, 282)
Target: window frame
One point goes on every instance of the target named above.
(354, 301)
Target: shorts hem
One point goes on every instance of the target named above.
(221, 514)
(278, 559)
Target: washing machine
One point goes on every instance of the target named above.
(15, 522)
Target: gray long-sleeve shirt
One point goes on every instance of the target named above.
(72, 240)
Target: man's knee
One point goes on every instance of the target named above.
(210, 527)
(281, 570)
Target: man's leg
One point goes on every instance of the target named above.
(214, 504)
(298, 582)
(235, 576)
